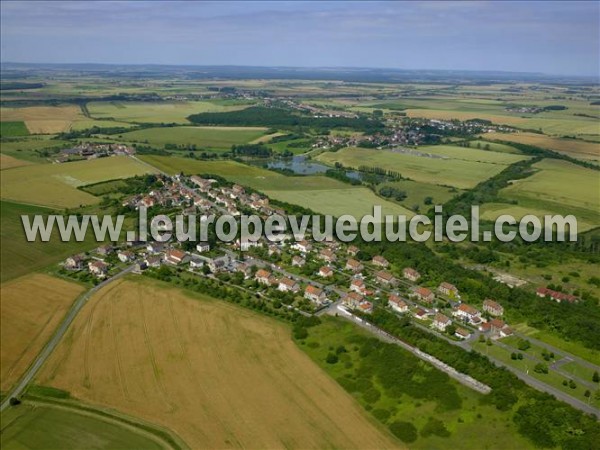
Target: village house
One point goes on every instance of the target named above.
(468, 313)
(385, 278)
(380, 261)
(202, 247)
(148, 202)
(245, 269)
(353, 250)
(125, 256)
(352, 300)
(423, 294)
(176, 257)
(420, 314)
(440, 322)
(358, 286)
(98, 268)
(411, 274)
(555, 295)
(448, 289)
(298, 261)
(315, 294)
(196, 262)
(105, 250)
(397, 304)
(490, 306)
(288, 285)
(499, 327)
(354, 265)
(218, 263)
(153, 261)
(274, 250)
(325, 272)
(155, 247)
(303, 246)
(462, 333)
(263, 277)
(366, 307)
(327, 255)
(75, 262)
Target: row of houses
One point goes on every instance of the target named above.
(286, 284)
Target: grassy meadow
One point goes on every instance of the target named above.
(220, 138)
(45, 426)
(55, 185)
(20, 257)
(560, 187)
(33, 149)
(463, 168)
(247, 385)
(11, 129)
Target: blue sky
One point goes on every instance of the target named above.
(548, 37)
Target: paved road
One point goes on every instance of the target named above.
(56, 337)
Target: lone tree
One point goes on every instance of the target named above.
(596, 377)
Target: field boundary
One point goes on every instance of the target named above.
(159, 434)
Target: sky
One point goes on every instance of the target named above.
(550, 37)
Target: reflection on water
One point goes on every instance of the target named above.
(300, 165)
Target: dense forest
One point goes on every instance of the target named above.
(260, 116)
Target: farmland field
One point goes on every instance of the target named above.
(587, 151)
(52, 427)
(491, 211)
(472, 154)
(561, 187)
(224, 377)
(55, 185)
(461, 173)
(221, 138)
(9, 129)
(31, 149)
(8, 162)
(32, 306)
(20, 257)
(163, 112)
(416, 193)
(44, 119)
(357, 201)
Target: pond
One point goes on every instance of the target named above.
(300, 165)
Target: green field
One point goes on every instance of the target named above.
(10, 129)
(474, 425)
(356, 201)
(462, 169)
(493, 146)
(33, 149)
(417, 192)
(158, 112)
(20, 257)
(559, 187)
(35, 426)
(55, 185)
(220, 138)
